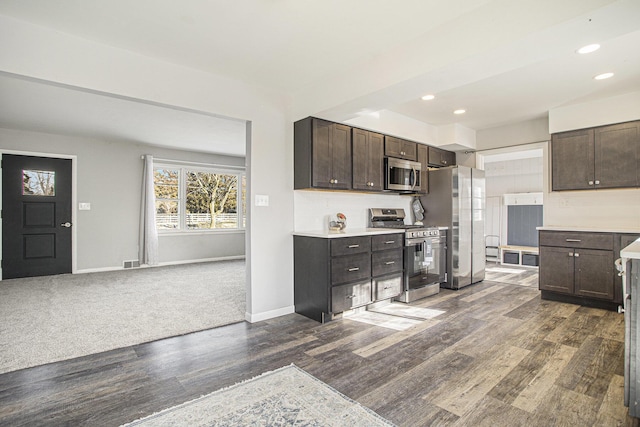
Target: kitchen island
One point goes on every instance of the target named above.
(630, 266)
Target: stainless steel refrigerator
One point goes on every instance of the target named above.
(457, 199)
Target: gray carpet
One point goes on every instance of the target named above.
(52, 318)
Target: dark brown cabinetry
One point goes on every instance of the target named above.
(601, 157)
(441, 158)
(322, 152)
(368, 160)
(577, 266)
(400, 148)
(423, 158)
(335, 275)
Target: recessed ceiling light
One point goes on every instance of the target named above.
(603, 76)
(588, 48)
(460, 111)
(428, 97)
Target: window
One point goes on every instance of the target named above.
(189, 198)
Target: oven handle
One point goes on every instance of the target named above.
(412, 178)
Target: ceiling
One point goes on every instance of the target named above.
(502, 61)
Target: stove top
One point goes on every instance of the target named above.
(394, 218)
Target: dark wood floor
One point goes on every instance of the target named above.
(497, 356)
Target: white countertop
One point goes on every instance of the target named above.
(590, 229)
(631, 251)
(349, 232)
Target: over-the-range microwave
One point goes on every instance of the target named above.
(401, 175)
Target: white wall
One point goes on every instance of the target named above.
(33, 51)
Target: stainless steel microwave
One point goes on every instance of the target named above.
(401, 175)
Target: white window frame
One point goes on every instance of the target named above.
(183, 168)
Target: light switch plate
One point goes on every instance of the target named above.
(84, 206)
(262, 200)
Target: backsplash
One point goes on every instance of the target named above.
(312, 209)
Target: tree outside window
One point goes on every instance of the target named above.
(198, 199)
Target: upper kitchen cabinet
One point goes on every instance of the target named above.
(572, 160)
(322, 154)
(423, 158)
(602, 157)
(617, 155)
(368, 160)
(400, 148)
(441, 158)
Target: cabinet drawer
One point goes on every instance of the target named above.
(350, 245)
(346, 297)
(387, 287)
(573, 239)
(386, 241)
(386, 262)
(350, 268)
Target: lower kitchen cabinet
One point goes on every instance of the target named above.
(578, 267)
(333, 275)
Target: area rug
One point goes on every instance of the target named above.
(287, 396)
(52, 318)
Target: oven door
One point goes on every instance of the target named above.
(424, 262)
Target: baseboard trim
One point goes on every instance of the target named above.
(266, 315)
(161, 264)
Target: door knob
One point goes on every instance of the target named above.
(66, 224)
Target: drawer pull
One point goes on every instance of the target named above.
(570, 253)
(350, 296)
(353, 246)
(573, 240)
(389, 242)
(387, 287)
(577, 254)
(354, 269)
(389, 262)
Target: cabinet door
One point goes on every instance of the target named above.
(331, 155)
(594, 273)
(423, 158)
(617, 155)
(368, 160)
(572, 160)
(441, 158)
(400, 148)
(341, 156)
(556, 269)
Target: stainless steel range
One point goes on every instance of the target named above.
(425, 253)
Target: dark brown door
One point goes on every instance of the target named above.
(36, 216)
(594, 273)
(331, 155)
(423, 158)
(572, 160)
(556, 269)
(368, 160)
(617, 155)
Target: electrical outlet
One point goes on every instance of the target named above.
(84, 206)
(262, 200)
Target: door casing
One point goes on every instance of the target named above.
(74, 200)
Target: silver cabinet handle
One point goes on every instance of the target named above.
(570, 253)
(590, 182)
(353, 246)
(389, 242)
(389, 262)
(350, 296)
(354, 269)
(573, 240)
(387, 287)
(577, 254)
(597, 182)
(66, 224)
